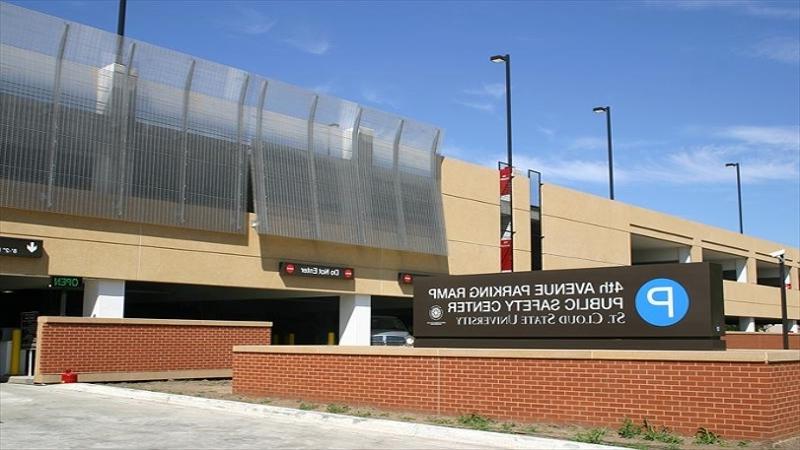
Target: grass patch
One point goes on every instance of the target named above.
(440, 420)
(474, 421)
(705, 436)
(530, 430)
(507, 426)
(628, 429)
(592, 436)
(307, 406)
(337, 409)
(361, 413)
(651, 433)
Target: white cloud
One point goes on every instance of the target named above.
(549, 132)
(492, 90)
(480, 106)
(774, 136)
(248, 21)
(707, 165)
(780, 49)
(571, 170)
(309, 43)
(377, 98)
(746, 7)
(587, 143)
(766, 154)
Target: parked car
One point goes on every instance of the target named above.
(389, 330)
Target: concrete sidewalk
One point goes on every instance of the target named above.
(94, 416)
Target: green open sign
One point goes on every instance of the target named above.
(66, 283)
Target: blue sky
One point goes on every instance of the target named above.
(692, 85)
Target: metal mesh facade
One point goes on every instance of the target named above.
(96, 125)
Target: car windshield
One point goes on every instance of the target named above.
(388, 323)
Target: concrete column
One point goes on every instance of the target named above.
(695, 254)
(685, 254)
(355, 319)
(103, 298)
(747, 324)
(794, 273)
(741, 270)
(752, 271)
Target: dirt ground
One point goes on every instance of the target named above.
(221, 389)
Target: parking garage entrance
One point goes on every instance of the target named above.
(298, 317)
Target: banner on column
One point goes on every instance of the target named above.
(506, 233)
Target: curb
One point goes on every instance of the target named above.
(424, 431)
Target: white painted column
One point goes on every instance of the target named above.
(741, 270)
(685, 254)
(103, 298)
(747, 324)
(355, 319)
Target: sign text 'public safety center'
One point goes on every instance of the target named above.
(662, 306)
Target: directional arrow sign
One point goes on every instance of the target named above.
(26, 248)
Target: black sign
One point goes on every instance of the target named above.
(27, 248)
(66, 283)
(28, 321)
(316, 270)
(650, 306)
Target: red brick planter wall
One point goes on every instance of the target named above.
(760, 340)
(139, 346)
(739, 400)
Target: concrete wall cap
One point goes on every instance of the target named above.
(734, 355)
(158, 322)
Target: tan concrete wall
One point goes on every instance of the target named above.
(582, 230)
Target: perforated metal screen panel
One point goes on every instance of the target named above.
(96, 125)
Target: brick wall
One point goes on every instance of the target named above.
(735, 399)
(760, 340)
(139, 346)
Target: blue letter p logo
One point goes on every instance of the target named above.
(662, 302)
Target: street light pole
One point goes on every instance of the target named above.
(507, 60)
(739, 190)
(607, 110)
(123, 6)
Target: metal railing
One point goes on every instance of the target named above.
(166, 138)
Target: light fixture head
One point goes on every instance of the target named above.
(600, 109)
(731, 164)
(497, 58)
(778, 253)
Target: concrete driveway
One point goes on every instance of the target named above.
(94, 416)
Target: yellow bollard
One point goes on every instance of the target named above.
(291, 338)
(331, 338)
(16, 346)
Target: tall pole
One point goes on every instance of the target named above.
(510, 155)
(739, 191)
(610, 154)
(784, 316)
(120, 28)
(507, 60)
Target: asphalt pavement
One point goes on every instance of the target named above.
(96, 416)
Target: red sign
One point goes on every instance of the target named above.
(315, 270)
(506, 255)
(505, 181)
(406, 278)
